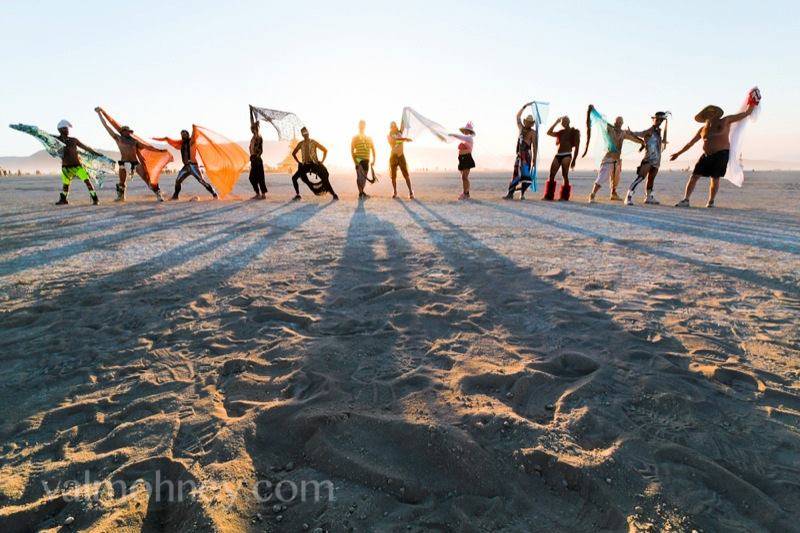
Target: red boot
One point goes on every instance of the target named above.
(564, 192)
(549, 190)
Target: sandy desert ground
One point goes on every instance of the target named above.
(444, 366)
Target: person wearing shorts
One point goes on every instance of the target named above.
(71, 165)
(465, 160)
(713, 164)
(397, 159)
(654, 143)
(130, 151)
(568, 140)
(361, 150)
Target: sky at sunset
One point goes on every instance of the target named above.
(161, 66)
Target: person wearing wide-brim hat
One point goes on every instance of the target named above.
(654, 143)
(465, 159)
(130, 160)
(713, 164)
(522, 178)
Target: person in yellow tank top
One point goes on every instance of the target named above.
(362, 151)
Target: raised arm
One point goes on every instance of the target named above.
(697, 137)
(740, 116)
(172, 142)
(519, 116)
(551, 132)
(114, 134)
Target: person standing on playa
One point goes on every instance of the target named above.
(611, 165)
(397, 159)
(361, 149)
(713, 164)
(129, 152)
(568, 141)
(526, 155)
(465, 160)
(188, 148)
(71, 165)
(257, 179)
(654, 144)
(309, 163)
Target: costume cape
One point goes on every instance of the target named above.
(98, 167)
(735, 172)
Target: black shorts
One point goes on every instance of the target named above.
(712, 165)
(133, 164)
(465, 162)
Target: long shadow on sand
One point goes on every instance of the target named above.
(704, 227)
(630, 396)
(92, 242)
(124, 290)
(748, 276)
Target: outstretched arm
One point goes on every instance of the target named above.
(460, 137)
(628, 135)
(740, 116)
(88, 149)
(691, 143)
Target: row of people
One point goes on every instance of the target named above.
(712, 164)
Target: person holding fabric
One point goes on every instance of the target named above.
(397, 159)
(309, 163)
(71, 165)
(713, 164)
(465, 160)
(257, 179)
(130, 156)
(611, 165)
(526, 156)
(188, 147)
(361, 148)
(568, 140)
(654, 144)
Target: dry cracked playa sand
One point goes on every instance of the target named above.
(431, 365)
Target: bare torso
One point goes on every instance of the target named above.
(127, 148)
(566, 140)
(256, 146)
(716, 135)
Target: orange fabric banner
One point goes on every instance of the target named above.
(153, 162)
(223, 159)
